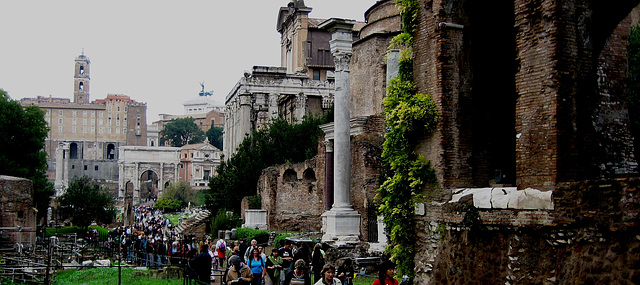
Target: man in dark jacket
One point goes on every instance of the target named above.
(201, 265)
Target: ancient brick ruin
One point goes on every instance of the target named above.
(532, 104)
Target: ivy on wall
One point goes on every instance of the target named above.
(409, 117)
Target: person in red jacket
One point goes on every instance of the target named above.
(385, 275)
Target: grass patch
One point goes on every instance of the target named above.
(107, 276)
(359, 280)
(70, 230)
(173, 218)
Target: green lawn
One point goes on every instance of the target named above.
(107, 276)
(363, 280)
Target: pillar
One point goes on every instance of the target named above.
(328, 175)
(342, 222)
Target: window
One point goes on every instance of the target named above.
(108, 130)
(206, 174)
(60, 112)
(100, 130)
(316, 74)
(74, 113)
(73, 129)
(100, 114)
(100, 122)
(93, 130)
(96, 168)
(117, 130)
(118, 108)
(124, 130)
(81, 69)
(126, 108)
(48, 112)
(118, 122)
(84, 130)
(84, 122)
(59, 129)
(81, 86)
(84, 113)
(93, 122)
(85, 167)
(93, 114)
(60, 121)
(73, 166)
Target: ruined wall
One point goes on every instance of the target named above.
(292, 196)
(17, 210)
(592, 236)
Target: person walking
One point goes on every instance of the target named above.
(238, 272)
(328, 273)
(274, 268)
(345, 272)
(299, 276)
(201, 265)
(317, 261)
(385, 274)
(256, 263)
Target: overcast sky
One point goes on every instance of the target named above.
(156, 52)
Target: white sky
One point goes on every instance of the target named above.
(154, 51)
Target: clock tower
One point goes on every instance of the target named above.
(81, 80)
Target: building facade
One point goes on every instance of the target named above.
(198, 163)
(84, 136)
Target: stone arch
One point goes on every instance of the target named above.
(309, 175)
(73, 151)
(290, 175)
(128, 188)
(111, 151)
(148, 184)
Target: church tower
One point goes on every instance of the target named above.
(81, 80)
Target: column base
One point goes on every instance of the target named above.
(341, 225)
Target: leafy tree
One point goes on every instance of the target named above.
(279, 142)
(22, 135)
(180, 191)
(223, 221)
(633, 84)
(168, 204)
(181, 131)
(85, 201)
(215, 136)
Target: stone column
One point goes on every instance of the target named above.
(328, 175)
(341, 223)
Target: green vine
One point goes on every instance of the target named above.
(409, 117)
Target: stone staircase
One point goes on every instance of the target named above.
(194, 220)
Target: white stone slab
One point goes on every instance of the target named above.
(532, 199)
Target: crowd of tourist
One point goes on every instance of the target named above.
(153, 241)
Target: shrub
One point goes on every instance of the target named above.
(278, 242)
(248, 234)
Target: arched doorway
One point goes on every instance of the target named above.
(111, 151)
(148, 185)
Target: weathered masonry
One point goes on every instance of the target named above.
(533, 150)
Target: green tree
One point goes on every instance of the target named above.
(22, 135)
(180, 191)
(181, 131)
(85, 201)
(278, 142)
(168, 204)
(215, 136)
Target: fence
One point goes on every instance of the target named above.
(38, 264)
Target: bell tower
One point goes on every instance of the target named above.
(81, 80)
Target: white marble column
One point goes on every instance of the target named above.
(342, 222)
